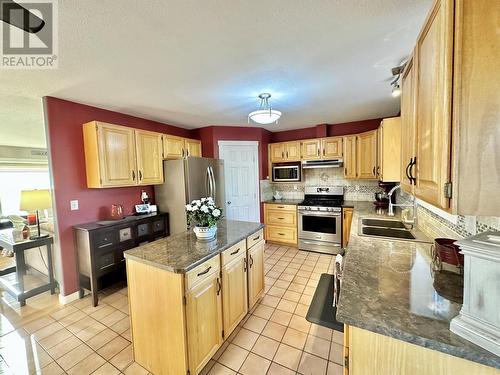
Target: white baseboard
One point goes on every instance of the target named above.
(69, 298)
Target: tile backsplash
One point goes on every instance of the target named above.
(354, 190)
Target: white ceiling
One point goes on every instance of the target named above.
(194, 63)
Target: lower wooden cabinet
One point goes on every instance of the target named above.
(347, 213)
(255, 273)
(366, 352)
(204, 321)
(281, 223)
(234, 292)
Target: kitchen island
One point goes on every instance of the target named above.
(397, 313)
(186, 296)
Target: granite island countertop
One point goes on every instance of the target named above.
(387, 288)
(182, 252)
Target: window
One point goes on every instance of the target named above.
(12, 181)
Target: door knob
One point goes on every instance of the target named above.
(228, 202)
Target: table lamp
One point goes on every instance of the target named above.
(34, 200)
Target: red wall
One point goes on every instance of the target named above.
(64, 120)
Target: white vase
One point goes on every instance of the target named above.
(205, 233)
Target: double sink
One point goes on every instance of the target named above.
(389, 229)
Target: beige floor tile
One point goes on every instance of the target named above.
(270, 301)
(300, 323)
(265, 347)
(64, 347)
(74, 356)
(47, 331)
(334, 369)
(282, 284)
(113, 347)
(123, 359)
(276, 369)
(317, 346)
(87, 333)
(305, 299)
(127, 335)
(256, 324)
(281, 317)
(135, 369)
(245, 338)
(300, 280)
(286, 305)
(82, 302)
(276, 292)
(233, 357)
(263, 311)
(38, 324)
(292, 296)
(219, 369)
(54, 339)
(254, 365)
(274, 330)
(87, 366)
(207, 367)
(106, 369)
(101, 339)
(294, 287)
(51, 369)
(288, 356)
(89, 310)
(286, 276)
(109, 299)
(301, 310)
(221, 350)
(233, 334)
(273, 274)
(336, 353)
(309, 290)
(320, 331)
(113, 318)
(338, 337)
(102, 313)
(294, 338)
(59, 314)
(312, 365)
(72, 318)
(122, 325)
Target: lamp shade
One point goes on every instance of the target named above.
(32, 200)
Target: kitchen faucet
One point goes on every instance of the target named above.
(392, 205)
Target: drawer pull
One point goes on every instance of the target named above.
(281, 206)
(205, 272)
(105, 245)
(236, 251)
(281, 218)
(256, 238)
(105, 267)
(281, 234)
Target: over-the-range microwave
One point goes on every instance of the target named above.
(286, 172)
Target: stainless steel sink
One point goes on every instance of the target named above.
(388, 232)
(383, 223)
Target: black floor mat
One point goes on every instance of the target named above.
(321, 310)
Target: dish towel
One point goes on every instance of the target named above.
(339, 259)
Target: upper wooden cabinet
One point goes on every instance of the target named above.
(407, 127)
(175, 147)
(311, 149)
(331, 148)
(433, 80)
(389, 150)
(366, 155)
(284, 151)
(114, 156)
(149, 149)
(350, 156)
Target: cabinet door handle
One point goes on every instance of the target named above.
(245, 265)
(413, 163)
(318, 151)
(133, 175)
(205, 272)
(251, 261)
(282, 154)
(324, 152)
(287, 154)
(374, 172)
(140, 175)
(407, 171)
(187, 151)
(235, 251)
(378, 171)
(345, 171)
(218, 286)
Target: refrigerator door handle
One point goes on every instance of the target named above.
(208, 182)
(214, 185)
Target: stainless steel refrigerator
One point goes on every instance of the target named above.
(185, 180)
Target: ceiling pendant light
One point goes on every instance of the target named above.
(396, 90)
(265, 114)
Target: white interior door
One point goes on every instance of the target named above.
(241, 173)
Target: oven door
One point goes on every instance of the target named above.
(320, 226)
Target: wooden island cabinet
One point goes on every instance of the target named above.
(181, 314)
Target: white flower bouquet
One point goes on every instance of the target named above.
(203, 212)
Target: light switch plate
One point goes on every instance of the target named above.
(73, 205)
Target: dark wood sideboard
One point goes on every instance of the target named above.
(100, 247)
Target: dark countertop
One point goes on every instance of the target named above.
(387, 288)
(110, 223)
(294, 202)
(181, 252)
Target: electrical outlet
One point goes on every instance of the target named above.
(73, 205)
(294, 187)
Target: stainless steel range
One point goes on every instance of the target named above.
(320, 219)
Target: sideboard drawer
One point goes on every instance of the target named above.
(106, 238)
(281, 234)
(105, 261)
(255, 238)
(158, 226)
(281, 207)
(286, 218)
(143, 229)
